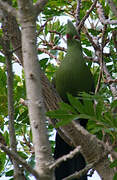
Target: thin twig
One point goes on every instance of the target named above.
(99, 81)
(42, 27)
(50, 54)
(52, 45)
(101, 15)
(114, 37)
(106, 72)
(110, 81)
(95, 46)
(59, 48)
(65, 158)
(14, 50)
(23, 102)
(52, 31)
(100, 55)
(113, 7)
(109, 78)
(78, 12)
(80, 173)
(86, 16)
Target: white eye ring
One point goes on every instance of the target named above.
(76, 37)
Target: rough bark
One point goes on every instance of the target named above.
(43, 154)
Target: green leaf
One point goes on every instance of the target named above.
(114, 104)
(113, 164)
(22, 154)
(9, 173)
(23, 117)
(43, 63)
(2, 161)
(31, 161)
(86, 116)
(2, 59)
(60, 114)
(66, 107)
(87, 52)
(109, 130)
(88, 104)
(99, 109)
(6, 136)
(67, 118)
(96, 130)
(76, 103)
(115, 176)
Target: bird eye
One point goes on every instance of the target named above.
(76, 37)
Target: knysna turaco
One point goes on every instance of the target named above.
(72, 76)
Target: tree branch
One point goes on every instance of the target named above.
(92, 148)
(52, 31)
(65, 158)
(8, 8)
(42, 27)
(86, 16)
(102, 18)
(114, 37)
(53, 46)
(101, 59)
(98, 51)
(21, 161)
(50, 54)
(95, 46)
(113, 7)
(13, 144)
(42, 148)
(39, 5)
(99, 81)
(80, 173)
(78, 12)
(110, 79)
(50, 103)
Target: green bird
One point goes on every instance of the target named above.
(72, 76)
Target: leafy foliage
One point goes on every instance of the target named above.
(101, 118)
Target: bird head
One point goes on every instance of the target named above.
(71, 32)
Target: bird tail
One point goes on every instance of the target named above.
(70, 166)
